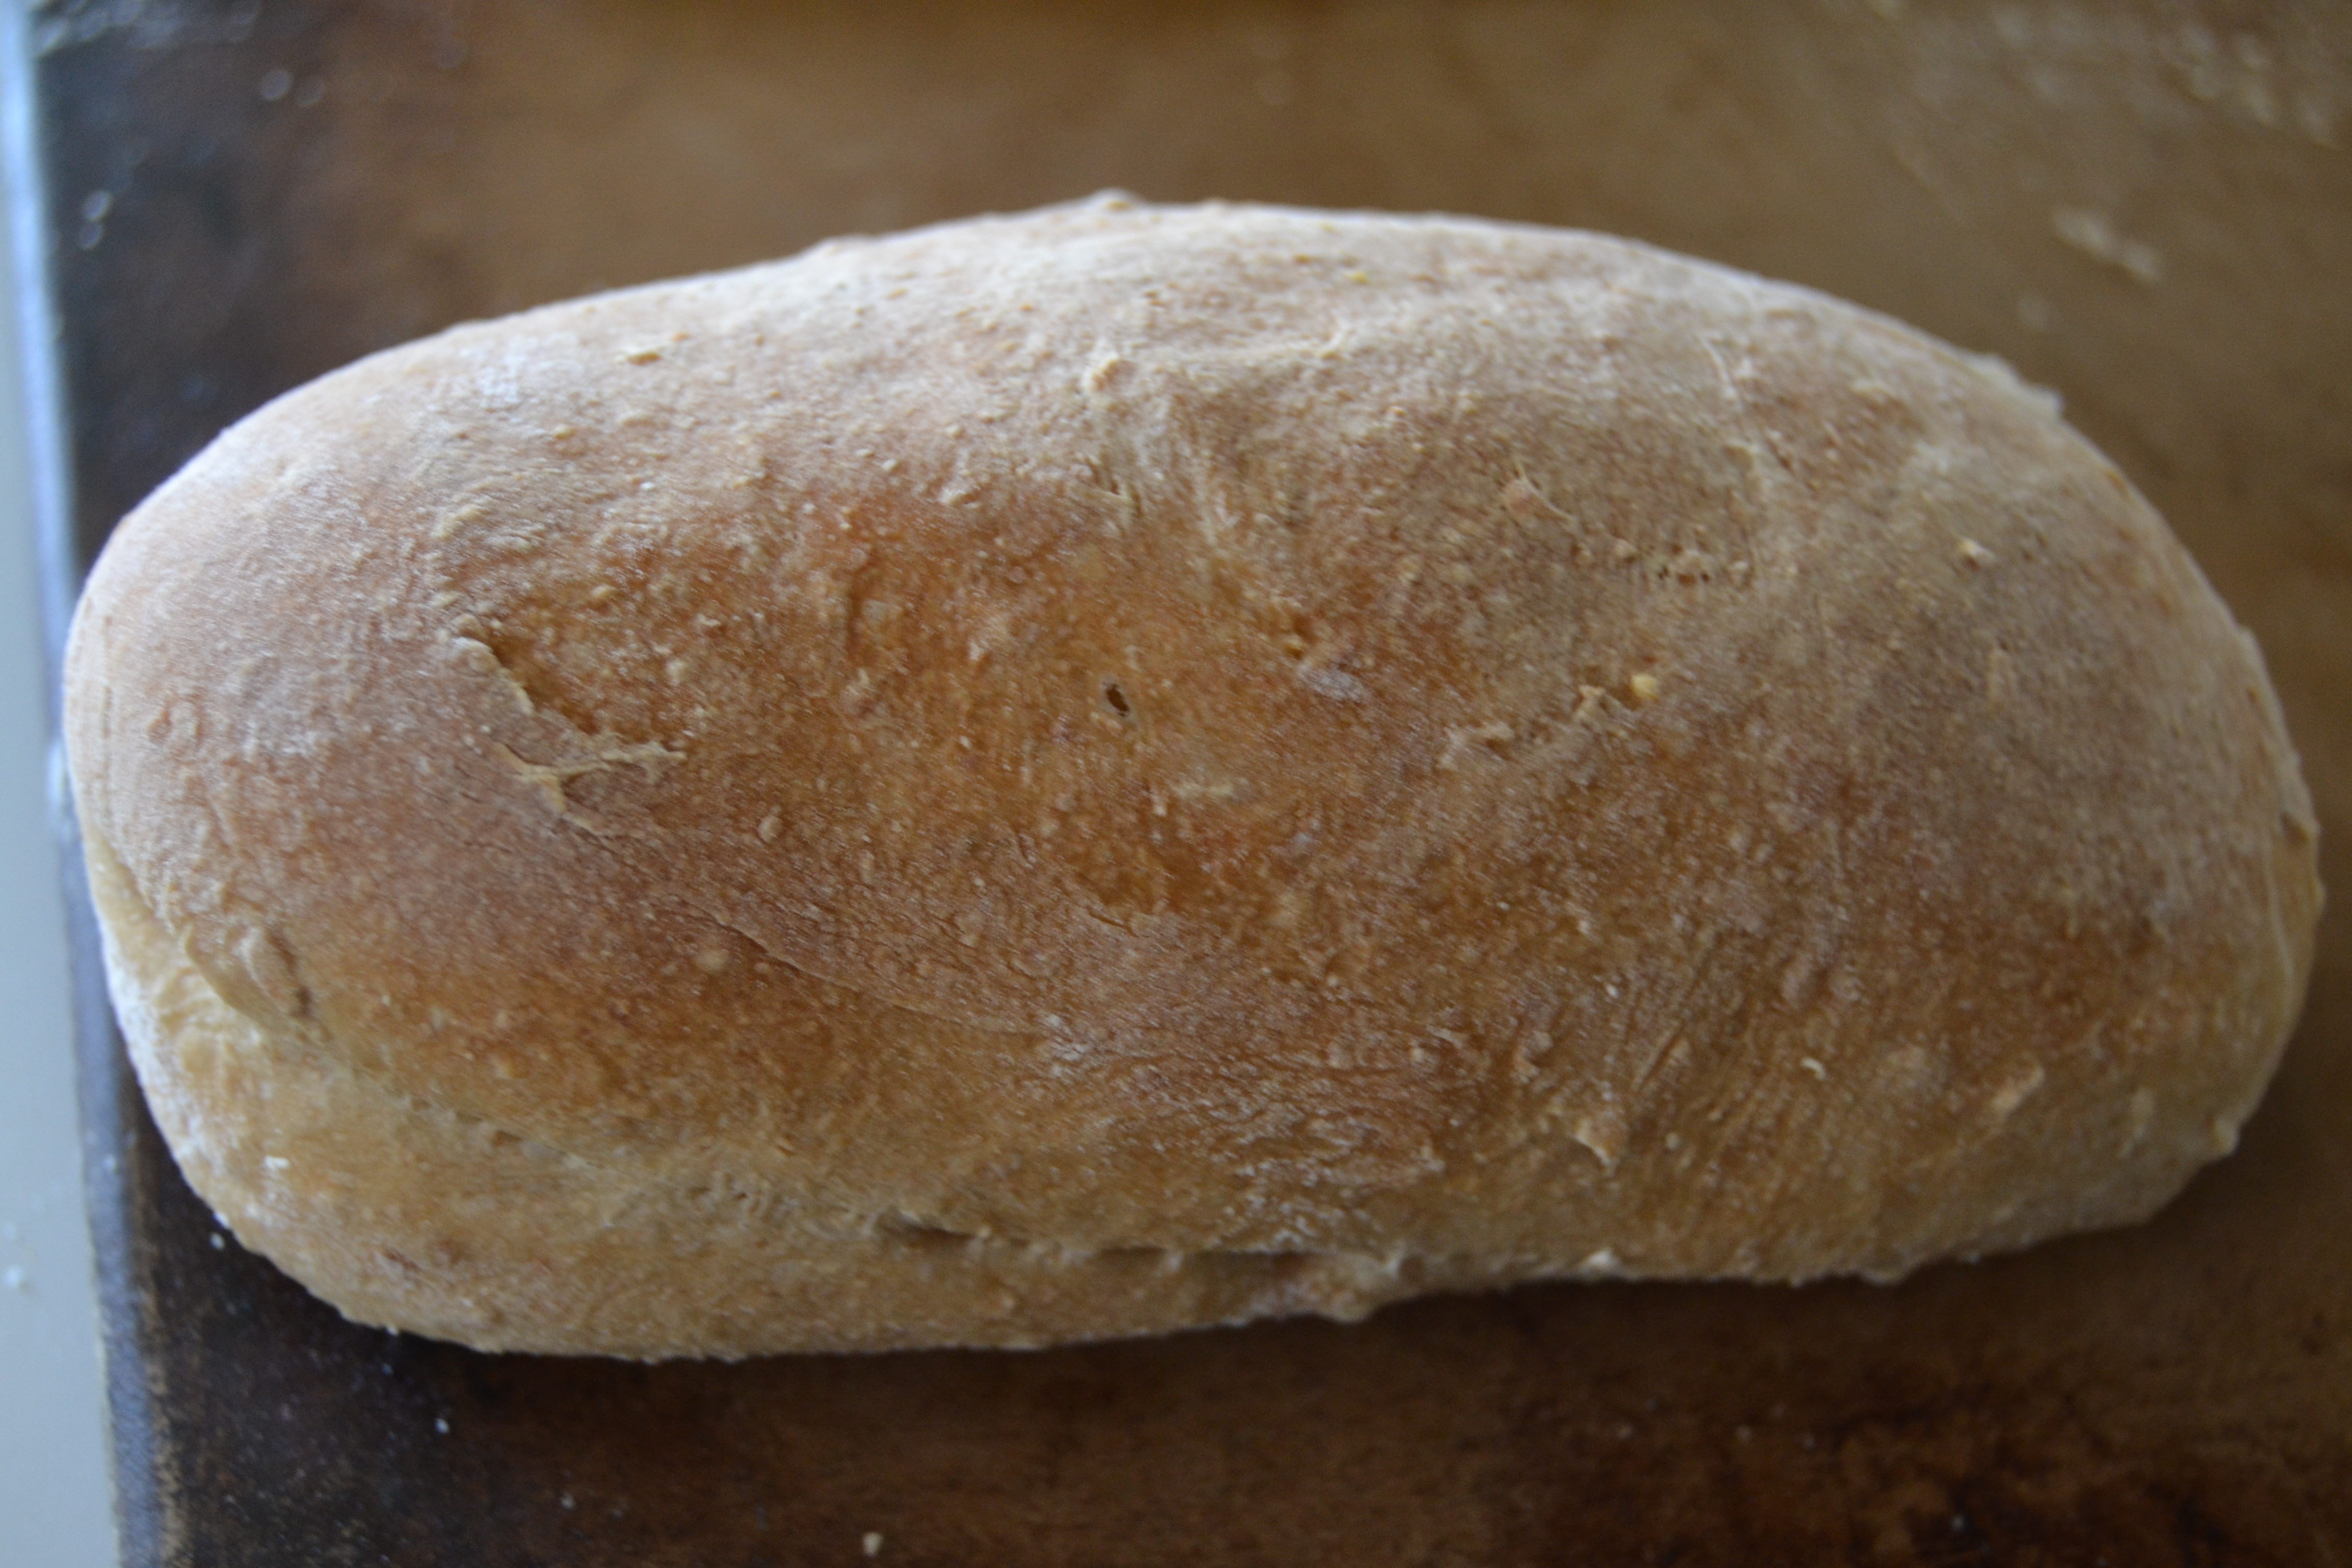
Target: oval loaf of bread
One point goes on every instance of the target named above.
(1124, 768)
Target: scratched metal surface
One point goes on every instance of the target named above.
(2145, 207)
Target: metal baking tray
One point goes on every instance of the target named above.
(2148, 207)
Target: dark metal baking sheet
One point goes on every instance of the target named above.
(244, 196)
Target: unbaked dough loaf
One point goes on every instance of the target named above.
(1124, 768)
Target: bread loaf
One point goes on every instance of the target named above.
(1126, 768)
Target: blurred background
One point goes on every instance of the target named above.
(55, 1505)
(2143, 205)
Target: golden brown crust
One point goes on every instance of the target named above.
(1472, 752)
(439, 1223)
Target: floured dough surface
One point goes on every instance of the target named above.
(447, 1226)
(1124, 767)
